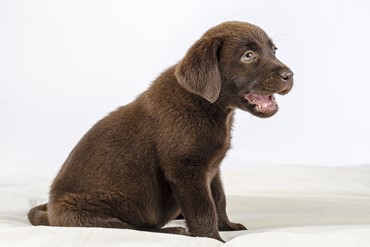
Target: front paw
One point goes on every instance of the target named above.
(230, 226)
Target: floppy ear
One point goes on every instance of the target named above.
(198, 71)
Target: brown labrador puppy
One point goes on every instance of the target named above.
(144, 163)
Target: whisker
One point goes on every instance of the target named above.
(279, 36)
(279, 33)
(222, 97)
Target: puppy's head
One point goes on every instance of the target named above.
(234, 64)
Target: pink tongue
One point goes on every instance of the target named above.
(264, 103)
(257, 98)
(263, 98)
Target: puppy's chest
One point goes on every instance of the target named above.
(224, 129)
(202, 139)
(219, 137)
(222, 143)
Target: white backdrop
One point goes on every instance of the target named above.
(66, 64)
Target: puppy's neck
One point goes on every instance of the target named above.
(167, 93)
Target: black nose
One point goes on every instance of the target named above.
(286, 74)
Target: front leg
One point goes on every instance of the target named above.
(218, 194)
(196, 203)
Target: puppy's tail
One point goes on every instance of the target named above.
(39, 215)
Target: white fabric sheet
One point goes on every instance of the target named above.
(280, 205)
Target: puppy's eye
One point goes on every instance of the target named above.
(248, 57)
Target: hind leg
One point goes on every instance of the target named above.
(107, 210)
(73, 211)
(90, 210)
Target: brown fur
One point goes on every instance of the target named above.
(145, 162)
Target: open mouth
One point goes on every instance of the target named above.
(263, 103)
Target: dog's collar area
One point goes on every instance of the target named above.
(263, 103)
